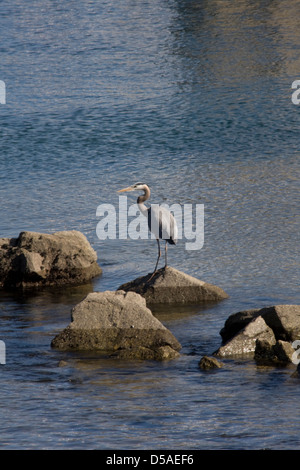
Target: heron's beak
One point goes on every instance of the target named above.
(125, 189)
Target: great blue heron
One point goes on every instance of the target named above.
(160, 220)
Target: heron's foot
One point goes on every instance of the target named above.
(152, 276)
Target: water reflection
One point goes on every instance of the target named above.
(236, 42)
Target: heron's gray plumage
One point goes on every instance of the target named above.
(160, 220)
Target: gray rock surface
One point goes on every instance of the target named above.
(118, 322)
(37, 259)
(244, 342)
(279, 353)
(264, 333)
(236, 322)
(209, 363)
(170, 286)
(284, 321)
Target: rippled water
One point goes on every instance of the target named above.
(194, 98)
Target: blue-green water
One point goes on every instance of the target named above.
(193, 98)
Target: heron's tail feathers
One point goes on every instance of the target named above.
(171, 241)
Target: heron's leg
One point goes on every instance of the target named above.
(159, 253)
(166, 253)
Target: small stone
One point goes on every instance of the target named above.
(208, 363)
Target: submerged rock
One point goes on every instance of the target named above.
(117, 322)
(170, 286)
(37, 259)
(265, 333)
(296, 374)
(161, 353)
(208, 363)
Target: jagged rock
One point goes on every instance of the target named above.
(264, 351)
(117, 322)
(37, 259)
(284, 320)
(170, 286)
(296, 373)
(279, 353)
(208, 363)
(273, 328)
(162, 353)
(236, 322)
(244, 342)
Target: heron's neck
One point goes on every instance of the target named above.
(142, 199)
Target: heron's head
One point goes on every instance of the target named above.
(135, 187)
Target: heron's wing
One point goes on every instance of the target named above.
(162, 223)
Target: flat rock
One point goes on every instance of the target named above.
(173, 287)
(37, 259)
(284, 321)
(118, 322)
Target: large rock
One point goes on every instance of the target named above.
(236, 322)
(283, 319)
(269, 353)
(38, 259)
(170, 286)
(264, 333)
(117, 322)
(244, 342)
(296, 374)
